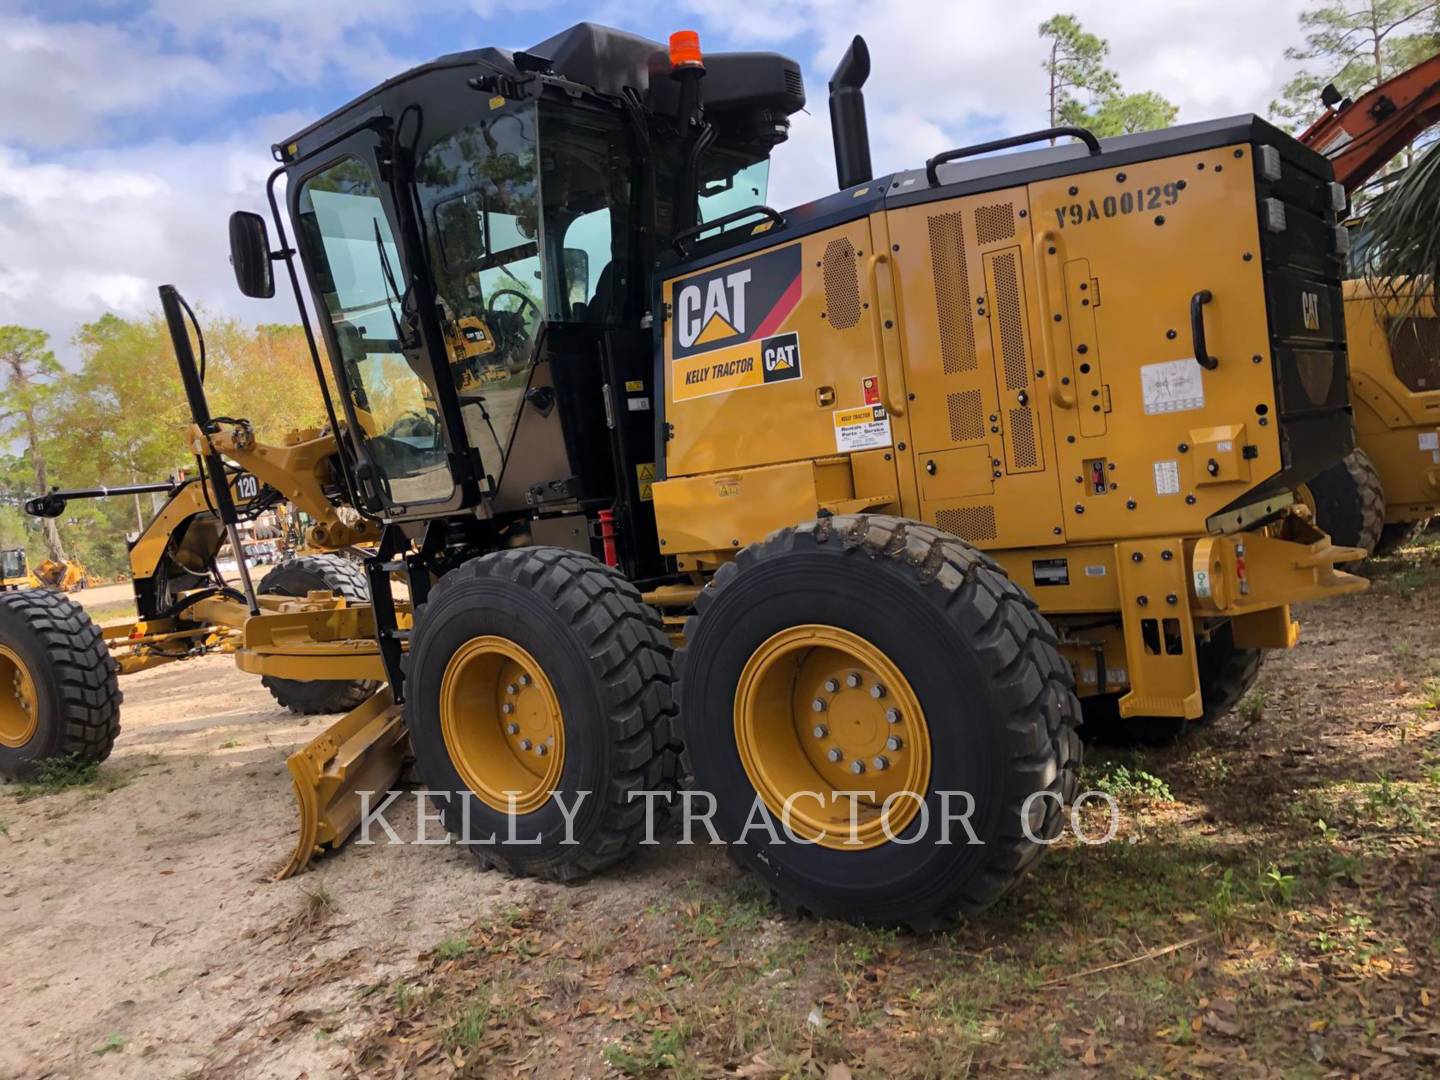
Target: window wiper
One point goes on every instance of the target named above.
(407, 341)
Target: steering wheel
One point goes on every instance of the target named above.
(524, 298)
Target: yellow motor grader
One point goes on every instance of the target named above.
(907, 473)
(1388, 487)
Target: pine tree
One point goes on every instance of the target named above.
(1085, 93)
(1355, 44)
(28, 374)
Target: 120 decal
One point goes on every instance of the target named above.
(1138, 201)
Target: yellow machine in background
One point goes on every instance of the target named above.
(14, 570)
(1389, 485)
(63, 576)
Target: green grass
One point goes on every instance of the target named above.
(657, 1051)
(469, 1028)
(1252, 706)
(105, 613)
(114, 1041)
(453, 948)
(1120, 780)
(67, 773)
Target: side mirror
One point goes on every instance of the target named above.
(250, 255)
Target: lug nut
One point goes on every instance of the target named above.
(877, 691)
(507, 708)
(526, 744)
(512, 689)
(852, 680)
(892, 716)
(512, 729)
(881, 763)
(818, 705)
(832, 685)
(542, 749)
(857, 767)
(820, 731)
(524, 680)
(893, 743)
(834, 754)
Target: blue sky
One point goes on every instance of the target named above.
(131, 128)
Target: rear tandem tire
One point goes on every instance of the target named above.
(1226, 674)
(297, 577)
(998, 715)
(59, 681)
(595, 673)
(1350, 501)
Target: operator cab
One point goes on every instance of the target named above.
(478, 235)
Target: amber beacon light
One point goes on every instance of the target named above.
(685, 51)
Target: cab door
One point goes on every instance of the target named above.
(351, 239)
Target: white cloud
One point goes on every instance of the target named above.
(61, 82)
(87, 230)
(99, 231)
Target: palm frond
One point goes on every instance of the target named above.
(1402, 238)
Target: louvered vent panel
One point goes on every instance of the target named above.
(967, 421)
(952, 293)
(1012, 322)
(842, 285)
(969, 522)
(1022, 436)
(995, 223)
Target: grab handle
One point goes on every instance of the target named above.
(932, 166)
(1197, 329)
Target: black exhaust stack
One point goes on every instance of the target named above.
(847, 116)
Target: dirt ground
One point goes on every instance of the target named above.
(1268, 909)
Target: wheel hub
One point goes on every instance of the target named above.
(502, 724)
(19, 704)
(821, 711)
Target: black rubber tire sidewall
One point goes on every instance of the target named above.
(878, 600)
(48, 741)
(84, 726)
(475, 600)
(296, 578)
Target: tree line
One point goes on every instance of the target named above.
(120, 418)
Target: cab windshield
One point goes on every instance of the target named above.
(523, 210)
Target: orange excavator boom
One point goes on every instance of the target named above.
(1360, 136)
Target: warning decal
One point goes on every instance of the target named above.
(1167, 478)
(645, 474)
(1172, 386)
(865, 428)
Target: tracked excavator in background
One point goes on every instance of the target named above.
(1388, 487)
(907, 473)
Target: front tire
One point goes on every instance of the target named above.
(59, 688)
(297, 577)
(964, 644)
(586, 670)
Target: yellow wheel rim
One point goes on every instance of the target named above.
(19, 705)
(1306, 498)
(501, 723)
(821, 710)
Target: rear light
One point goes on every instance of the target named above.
(1272, 215)
(1270, 170)
(1338, 199)
(1342, 241)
